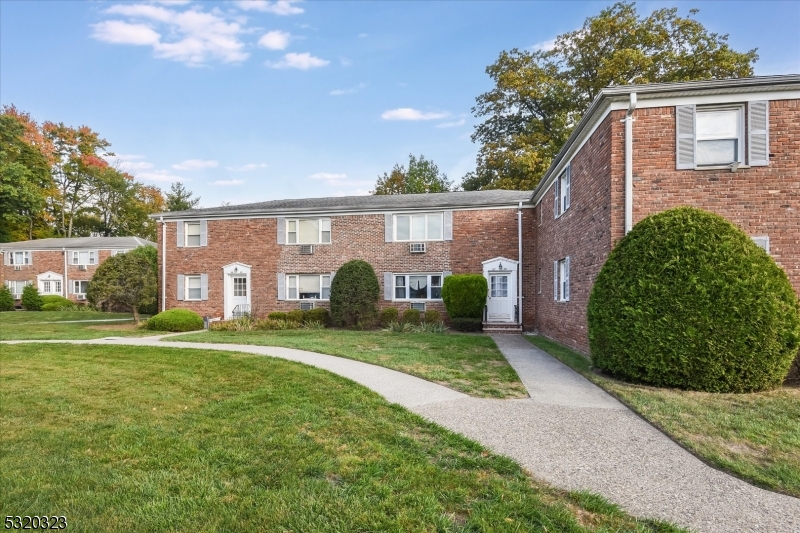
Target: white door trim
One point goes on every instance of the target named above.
(228, 273)
(49, 276)
(502, 266)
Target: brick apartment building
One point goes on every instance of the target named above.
(59, 266)
(728, 146)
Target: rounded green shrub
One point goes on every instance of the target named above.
(464, 295)
(295, 315)
(175, 320)
(688, 300)
(432, 317)
(55, 302)
(317, 315)
(277, 315)
(31, 300)
(6, 299)
(466, 324)
(354, 294)
(411, 316)
(388, 316)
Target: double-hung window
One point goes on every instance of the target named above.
(422, 227)
(192, 234)
(117, 252)
(308, 287)
(562, 187)
(561, 280)
(51, 287)
(193, 288)
(16, 287)
(308, 231)
(84, 258)
(19, 258)
(79, 286)
(719, 136)
(417, 286)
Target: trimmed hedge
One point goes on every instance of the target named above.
(388, 316)
(318, 314)
(411, 316)
(354, 294)
(31, 300)
(277, 315)
(175, 320)
(6, 299)
(295, 315)
(466, 324)
(54, 302)
(688, 300)
(432, 317)
(464, 295)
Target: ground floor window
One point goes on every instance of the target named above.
(561, 280)
(79, 286)
(51, 287)
(16, 287)
(308, 287)
(417, 286)
(193, 288)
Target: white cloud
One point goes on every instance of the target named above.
(280, 7)
(328, 177)
(407, 113)
(191, 36)
(452, 124)
(171, 2)
(275, 40)
(228, 182)
(544, 46)
(302, 61)
(351, 90)
(362, 35)
(159, 176)
(195, 164)
(354, 192)
(128, 163)
(247, 167)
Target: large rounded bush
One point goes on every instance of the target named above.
(464, 295)
(175, 320)
(688, 300)
(354, 294)
(56, 302)
(31, 299)
(6, 299)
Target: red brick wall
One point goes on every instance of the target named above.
(52, 261)
(477, 236)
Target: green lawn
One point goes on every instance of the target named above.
(469, 363)
(121, 438)
(753, 436)
(31, 325)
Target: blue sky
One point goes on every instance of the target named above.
(252, 101)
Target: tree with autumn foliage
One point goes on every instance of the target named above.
(421, 176)
(539, 96)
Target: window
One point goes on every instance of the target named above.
(117, 252)
(16, 287)
(193, 234)
(719, 136)
(561, 280)
(308, 287)
(240, 286)
(51, 287)
(79, 286)
(562, 187)
(308, 231)
(426, 227)
(499, 288)
(193, 290)
(19, 258)
(762, 242)
(84, 258)
(417, 286)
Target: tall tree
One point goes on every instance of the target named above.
(540, 96)
(422, 176)
(179, 198)
(127, 280)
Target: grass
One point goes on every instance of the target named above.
(121, 438)
(31, 325)
(468, 363)
(753, 436)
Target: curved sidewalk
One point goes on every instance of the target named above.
(569, 433)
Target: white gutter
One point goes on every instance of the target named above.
(519, 265)
(163, 264)
(66, 281)
(629, 164)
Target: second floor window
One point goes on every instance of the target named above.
(192, 234)
(84, 258)
(427, 227)
(562, 186)
(719, 136)
(308, 231)
(19, 258)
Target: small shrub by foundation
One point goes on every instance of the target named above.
(389, 315)
(411, 316)
(175, 320)
(432, 317)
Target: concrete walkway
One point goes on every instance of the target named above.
(569, 433)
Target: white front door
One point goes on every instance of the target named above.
(236, 282)
(240, 288)
(500, 305)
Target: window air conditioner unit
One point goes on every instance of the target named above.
(306, 249)
(18, 297)
(416, 247)
(81, 296)
(305, 306)
(419, 306)
(81, 267)
(17, 267)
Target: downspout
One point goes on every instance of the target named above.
(66, 281)
(163, 264)
(629, 164)
(519, 265)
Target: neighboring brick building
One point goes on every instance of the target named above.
(59, 266)
(728, 146)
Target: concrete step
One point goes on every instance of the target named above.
(501, 327)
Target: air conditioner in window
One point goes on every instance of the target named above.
(81, 267)
(417, 247)
(17, 267)
(80, 296)
(306, 249)
(18, 297)
(419, 306)
(305, 306)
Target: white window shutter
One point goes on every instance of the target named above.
(566, 279)
(204, 233)
(388, 286)
(568, 187)
(556, 198)
(389, 231)
(281, 286)
(684, 136)
(448, 225)
(6, 258)
(555, 280)
(180, 291)
(181, 240)
(758, 133)
(281, 230)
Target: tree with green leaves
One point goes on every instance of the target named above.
(422, 176)
(126, 280)
(6, 299)
(31, 299)
(179, 198)
(539, 96)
